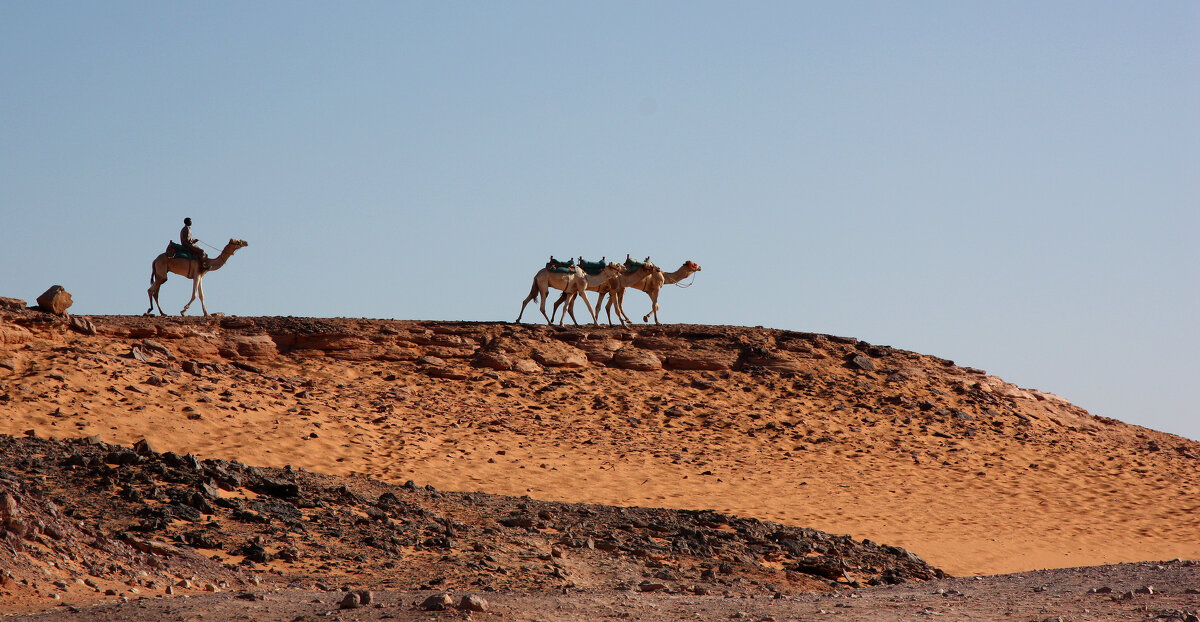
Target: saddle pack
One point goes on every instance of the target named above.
(593, 267)
(633, 265)
(175, 249)
(564, 267)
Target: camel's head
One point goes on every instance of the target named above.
(614, 268)
(235, 244)
(691, 265)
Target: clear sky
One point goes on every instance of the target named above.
(1011, 185)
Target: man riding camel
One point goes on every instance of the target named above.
(189, 243)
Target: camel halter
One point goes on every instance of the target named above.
(215, 248)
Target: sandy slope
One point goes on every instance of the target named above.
(973, 474)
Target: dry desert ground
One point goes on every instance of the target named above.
(280, 468)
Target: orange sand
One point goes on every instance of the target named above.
(1065, 490)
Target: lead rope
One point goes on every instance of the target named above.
(691, 280)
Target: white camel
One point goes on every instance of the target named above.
(618, 282)
(595, 283)
(573, 282)
(652, 284)
(614, 288)
(189, 268)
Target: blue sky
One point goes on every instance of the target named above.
(1011, 185)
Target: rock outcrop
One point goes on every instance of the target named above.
(169, 509)
(55, 300)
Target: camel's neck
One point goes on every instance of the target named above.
(632, 278)
(682, 273)
(594, 280)
(216, 262)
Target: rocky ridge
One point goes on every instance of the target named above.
(76, 513)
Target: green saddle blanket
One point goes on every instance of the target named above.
(564, 267)
(175, 249)
(592, 267)
(633, 265)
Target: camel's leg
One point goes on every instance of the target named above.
(608, 309)
(653, 308)
(600, 295)
(595, 313)
(619, 296)
(533, 292)
(195, 285)
(155, 284)
(568, 307)
(561, 300)
(543, 294)
(571, 308)
(615, 301)
(200, 289)
(569, 292)
(150, 292)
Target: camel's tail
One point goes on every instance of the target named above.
(154, 273)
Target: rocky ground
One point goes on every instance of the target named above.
(258, 465)
(88, 523)
(135, 522)
(1116, 593)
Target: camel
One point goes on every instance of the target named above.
(594, 284)
(651, 283)
(624, 278)
(574, 283)
(190, 268)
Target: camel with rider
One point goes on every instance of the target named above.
(189, 267)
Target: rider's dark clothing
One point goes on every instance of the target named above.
(189, 243)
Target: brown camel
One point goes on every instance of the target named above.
(594, 284)
(614, 288)
(652, 284)
(574, 282)
(189, 268)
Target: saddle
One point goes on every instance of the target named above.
(593, 267)
(564, 267)
(633, 265)
(175, 249)
(179, 251)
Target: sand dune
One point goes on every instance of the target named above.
(974, 474)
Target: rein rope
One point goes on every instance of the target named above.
(691, 279)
